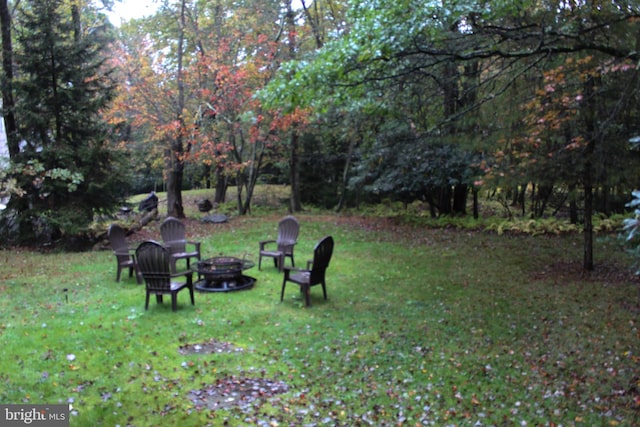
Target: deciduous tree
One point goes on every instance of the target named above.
(393, 45)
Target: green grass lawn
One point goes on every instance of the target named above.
(422, 327)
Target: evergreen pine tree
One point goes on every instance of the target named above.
(61, 88)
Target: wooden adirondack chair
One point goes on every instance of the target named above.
(125, 256)
(282, 247)
(315, 272)
(173, 233)
(154, 262)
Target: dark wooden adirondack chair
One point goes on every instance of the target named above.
(282, 247)
(125, 256)
(174, 233)
(154, 261)
(315, 272)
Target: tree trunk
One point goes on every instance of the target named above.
(451, 91)
(542, 199)
(445, 194)
(587, 177)
(588, 211)
(8, 102)
(174, 156)
(345, 172)
(221, 186)
(295, 202)
(174, 167)
(240, 185)
(460, 199)
(573, 206)
(476, 213)
(315, 22)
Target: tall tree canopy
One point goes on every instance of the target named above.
(227, 53)
(453, 72)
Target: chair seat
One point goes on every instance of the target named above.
(271, 253)
(185, 254)
(302, 277)
(130, 265)
(175, 286)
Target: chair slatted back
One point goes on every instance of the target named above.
(288, 230)
(118, 242)
(154, 264)
(321, 258)
(174, 234)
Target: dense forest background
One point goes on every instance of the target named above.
(533, 103)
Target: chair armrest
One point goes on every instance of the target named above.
(188, 274)
(288, 270)
(125, 251)
(194, 243)
(169, 244)
(263, 243)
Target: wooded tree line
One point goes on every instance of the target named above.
(348, 102)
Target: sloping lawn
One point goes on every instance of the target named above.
(422, 327)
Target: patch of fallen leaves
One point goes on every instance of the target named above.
(209, 347)
(236, 391)
(233, 391)
(573, 271)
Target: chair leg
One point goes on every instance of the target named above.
(193, 302)
(118, 273)
(174, 301)
(284, 283)
(324, 290)
(146, 303)
(159, 298)
(306, 289)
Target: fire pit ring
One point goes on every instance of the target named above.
(223, 274)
